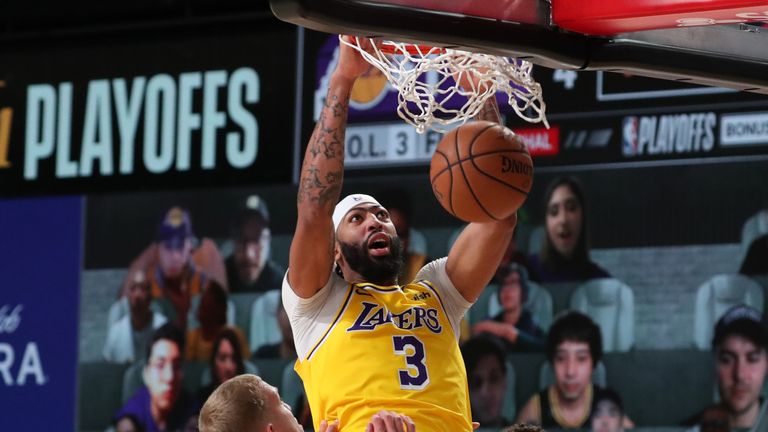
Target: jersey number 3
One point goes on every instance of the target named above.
(415, 376)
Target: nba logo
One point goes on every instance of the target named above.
(629, 136)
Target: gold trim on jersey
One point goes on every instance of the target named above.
(428, 284)
(339, 314)
(380, 288)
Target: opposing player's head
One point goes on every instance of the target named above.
(574, 347)
(366, 240)
(739, 345)
(246, 403)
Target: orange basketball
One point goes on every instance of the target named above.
(481, 172)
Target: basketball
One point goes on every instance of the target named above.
(481, 172)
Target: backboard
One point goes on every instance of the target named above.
(715, 42)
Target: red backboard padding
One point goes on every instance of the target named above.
(523, 11)
(601, 17)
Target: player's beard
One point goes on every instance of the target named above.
(378, 270)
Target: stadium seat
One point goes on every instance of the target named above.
(754, 228)
(539, 304)
(264, 327)
(226, 247)
(417, 243)
(132, 380)
(291, 388)
(437, 241)
(453, 236)
(272, 370)
(193, 371)
(536, 239)
(280, 248)
(547, 375)
(99, 394)
(611, 305)
(243, 302)
(480, 310)
(509, 405)
(762, 420)
(715, 296)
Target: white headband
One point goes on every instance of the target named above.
(347, 204)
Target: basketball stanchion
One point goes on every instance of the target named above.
(440, 103)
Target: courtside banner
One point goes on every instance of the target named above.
(40, 264)
(148, 111)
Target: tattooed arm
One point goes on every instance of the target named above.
(312, 250)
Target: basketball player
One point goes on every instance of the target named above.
(246, 403)
(362, 340)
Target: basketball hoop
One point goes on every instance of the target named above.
(427, 81)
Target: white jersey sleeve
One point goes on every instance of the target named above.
(311, 317)
(454, 303)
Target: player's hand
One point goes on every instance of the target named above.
(325, 427)
(471, 81)
(351, 63)
(475, 425)
(387, 421)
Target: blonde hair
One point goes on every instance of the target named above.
(236, 405)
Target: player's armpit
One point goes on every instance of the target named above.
(311, 258)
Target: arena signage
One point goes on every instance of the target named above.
(596, 118)
(541, 141)
(744, 129)
(158, 111)
(16, 368)
(668, 134)
(162, 104)
(40, 263)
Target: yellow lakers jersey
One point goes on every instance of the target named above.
(388, 348)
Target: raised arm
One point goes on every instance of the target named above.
(311, 256)
(477, 252)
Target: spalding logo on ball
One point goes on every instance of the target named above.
(481, 172)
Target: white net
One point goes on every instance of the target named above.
(428, 79)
